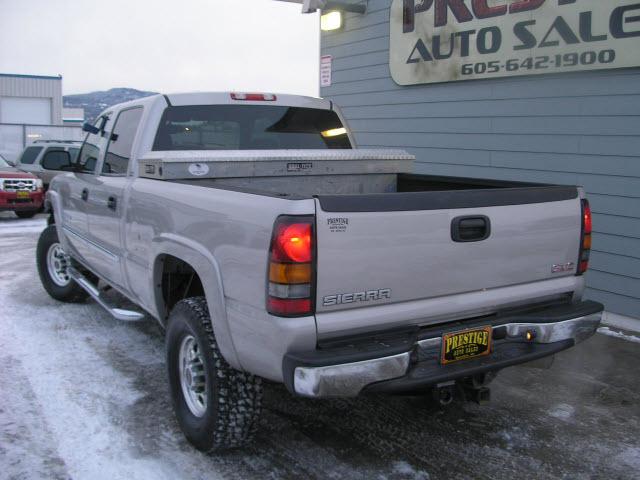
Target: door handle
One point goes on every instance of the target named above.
(112, 203)
(85, 194)
(470, 229)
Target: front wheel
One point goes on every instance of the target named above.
(53, 268)
(217, 406)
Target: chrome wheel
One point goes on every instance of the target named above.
(192, 376)
(58, 265)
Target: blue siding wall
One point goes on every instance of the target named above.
(580, 129)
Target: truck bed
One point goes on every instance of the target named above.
(390, 241)
(342, 179)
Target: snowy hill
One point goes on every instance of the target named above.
(94, 102)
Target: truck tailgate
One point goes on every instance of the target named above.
(389, 248)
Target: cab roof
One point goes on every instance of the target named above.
(227, 98)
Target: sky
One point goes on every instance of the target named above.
(163, 45)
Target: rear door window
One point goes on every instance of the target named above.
(116, 161)
(94, 144)
(29, 155)
(249, 127)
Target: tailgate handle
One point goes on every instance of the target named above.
(472, 228)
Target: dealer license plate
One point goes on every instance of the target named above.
(465, 344)
(22, 194)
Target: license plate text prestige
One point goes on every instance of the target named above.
(465, 344)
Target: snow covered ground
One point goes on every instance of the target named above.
(83, 396)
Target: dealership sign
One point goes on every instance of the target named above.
(451, 40)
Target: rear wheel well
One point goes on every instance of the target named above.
(177, 280)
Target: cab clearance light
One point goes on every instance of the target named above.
(254, 97)
(291, 273)
(334, 132)
(331, 21)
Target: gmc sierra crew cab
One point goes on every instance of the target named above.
(269, 247)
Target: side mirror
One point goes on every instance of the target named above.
(87, 127)
(58, 160)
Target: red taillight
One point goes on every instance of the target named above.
(254, 97)
(291, 268)
(586, 217)
(288, 307)
(585, 240)
(293, 243)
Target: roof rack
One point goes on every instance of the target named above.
(57, 141)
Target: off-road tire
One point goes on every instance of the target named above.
(72, 292)
(234, 398)
(26, 213)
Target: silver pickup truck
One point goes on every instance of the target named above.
(269, 247)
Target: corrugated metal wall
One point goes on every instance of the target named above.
(581, 128)
(35, 86)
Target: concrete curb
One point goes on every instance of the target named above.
(620, 321)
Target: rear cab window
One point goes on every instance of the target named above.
(29, 155)
(249, 127)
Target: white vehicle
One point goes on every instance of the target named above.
(268, 246)
(32, 157)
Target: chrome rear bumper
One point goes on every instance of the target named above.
(349, 379)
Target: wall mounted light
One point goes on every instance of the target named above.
(311, 6)
(331, 21)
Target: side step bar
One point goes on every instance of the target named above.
(117, 313)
